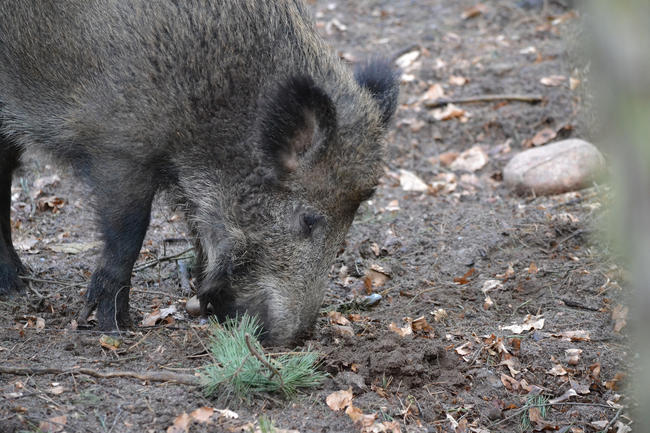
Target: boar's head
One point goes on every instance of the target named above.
(320, 155)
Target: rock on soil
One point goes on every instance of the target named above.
(563, 166)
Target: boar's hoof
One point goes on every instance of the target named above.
(10, 282)
(111, 305)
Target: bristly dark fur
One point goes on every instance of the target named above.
(236, 107)
(382, 80)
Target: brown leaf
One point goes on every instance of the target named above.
(402, 332)
(432, 94)
(202, 414)
(532, 269)
(337, 318)
(339, 400)
(510, 383)
(464, 279)
(181, 424)
(619, 316)
(447, 158)
(614, 384)
(474, 11)
(509, 273)
(543, 137)
(357, 416)
(421, 324)
(449, 112)
(54, 424)
(50, 203)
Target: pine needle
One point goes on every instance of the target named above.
(243, 369)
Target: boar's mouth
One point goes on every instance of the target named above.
(279, 324)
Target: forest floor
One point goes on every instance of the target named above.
(457, 266)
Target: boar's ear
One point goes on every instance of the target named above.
(299, 118)
(379, 78)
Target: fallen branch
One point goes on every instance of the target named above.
(154, 376)
(440, 102)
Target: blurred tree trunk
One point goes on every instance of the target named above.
(619, 33)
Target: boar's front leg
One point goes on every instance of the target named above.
(10, 265)
(123, 206)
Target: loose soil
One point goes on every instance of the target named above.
(438, 248)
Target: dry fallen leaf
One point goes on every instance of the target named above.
(56, 390)
(40, 323)
(181, 424)
(530, 322)
(409, 181)
(228, 414)
(54, 424)
(464, 349)
(557, 370)
(202, 414)
(464, 279)
(511, 363)
(474, 11)
(472, 159)
(553, 80)
(50, 203)
(573, 83)
(337, 318)
(619, 316)
(510, 383)
(402, 332)
(509, 273)
(421, 324)
(339, 400)
(567, 395)
(573, 356)
(447, 158)
(449, 112)
(407, 59)
(457, 80)
(433, 93)
(440, 315)
(543, 137)
(357, 416)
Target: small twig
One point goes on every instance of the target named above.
(260, 358)
(528, 406)
(155, 262)
(611, 423)
(58, 282)
(440, 102)
(153, 376)
(576, 304)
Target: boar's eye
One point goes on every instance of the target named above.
(308, 222)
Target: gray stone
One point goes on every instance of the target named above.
(555, 168)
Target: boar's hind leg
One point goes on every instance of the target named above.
(123, 206)
(10, 264)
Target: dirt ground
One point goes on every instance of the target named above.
(468, 256)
